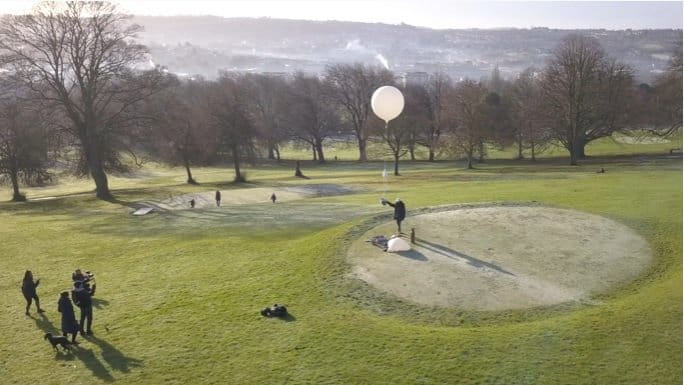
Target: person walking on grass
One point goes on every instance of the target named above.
(28, 289)
(399, 211)
(69, 324)
(84, 301)
(218, 198)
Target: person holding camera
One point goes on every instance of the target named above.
(82, 298)
(88, 280)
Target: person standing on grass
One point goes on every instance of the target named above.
(399, 211)
(69, 324)
(28, 289)
(273, 198)
(218, 198)
(84, 301)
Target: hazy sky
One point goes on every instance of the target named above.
(427, 13)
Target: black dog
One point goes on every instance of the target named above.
(274, 311)
(58, 340)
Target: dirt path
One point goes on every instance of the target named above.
(496, 258)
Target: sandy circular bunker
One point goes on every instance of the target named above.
(502, 257)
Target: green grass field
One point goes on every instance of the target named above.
(179, 293)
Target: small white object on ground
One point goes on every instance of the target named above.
(142, 211)
(397, 244)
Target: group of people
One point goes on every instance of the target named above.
(217, 197)
(81, 296)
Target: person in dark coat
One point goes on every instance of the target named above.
(81, 297)
(399, 211)
(218, 198)
(273, 198)
(69, 324)
(28, 289)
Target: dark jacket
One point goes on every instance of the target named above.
(399, 210)
(28, 288)
(82, 298)
(69, 324)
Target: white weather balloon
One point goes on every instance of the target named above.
(387, 103)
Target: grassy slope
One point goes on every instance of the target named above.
(180, 293)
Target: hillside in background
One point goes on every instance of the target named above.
(204, 45)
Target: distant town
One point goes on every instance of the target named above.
(191, 46)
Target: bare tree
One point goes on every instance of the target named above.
(25, 137)
(309, 117)
(438, 87)
(181, 130)
(397, 134)
(352, 88)
(496, 119)
(666, 105)
(467, 130)
(529, 131)
(267, 96)
(229, 113)
(585, 94)
(80, 56)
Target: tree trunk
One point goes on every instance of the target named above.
(573, 156)
(101, 183)
(271, 152)
(363, 156)
(573, 146)
(470, 158)
(236, 164)
(520, 149)
(313, 151)
(298, 171)
(396, 164)
(533, 156)
(319, 150)
(481, 152)
(96, 167)
(580, 150)
(277, 152)
(186, 163)
(431, 155)
(412, 153)
(16, 195)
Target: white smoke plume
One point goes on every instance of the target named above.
(382, 60)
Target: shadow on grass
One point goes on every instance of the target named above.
(44, 324)
(111, 355)
(99, 302)
(453, 254)
(286, 318)
(89, 359)
(120, 202)
(114, 357)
